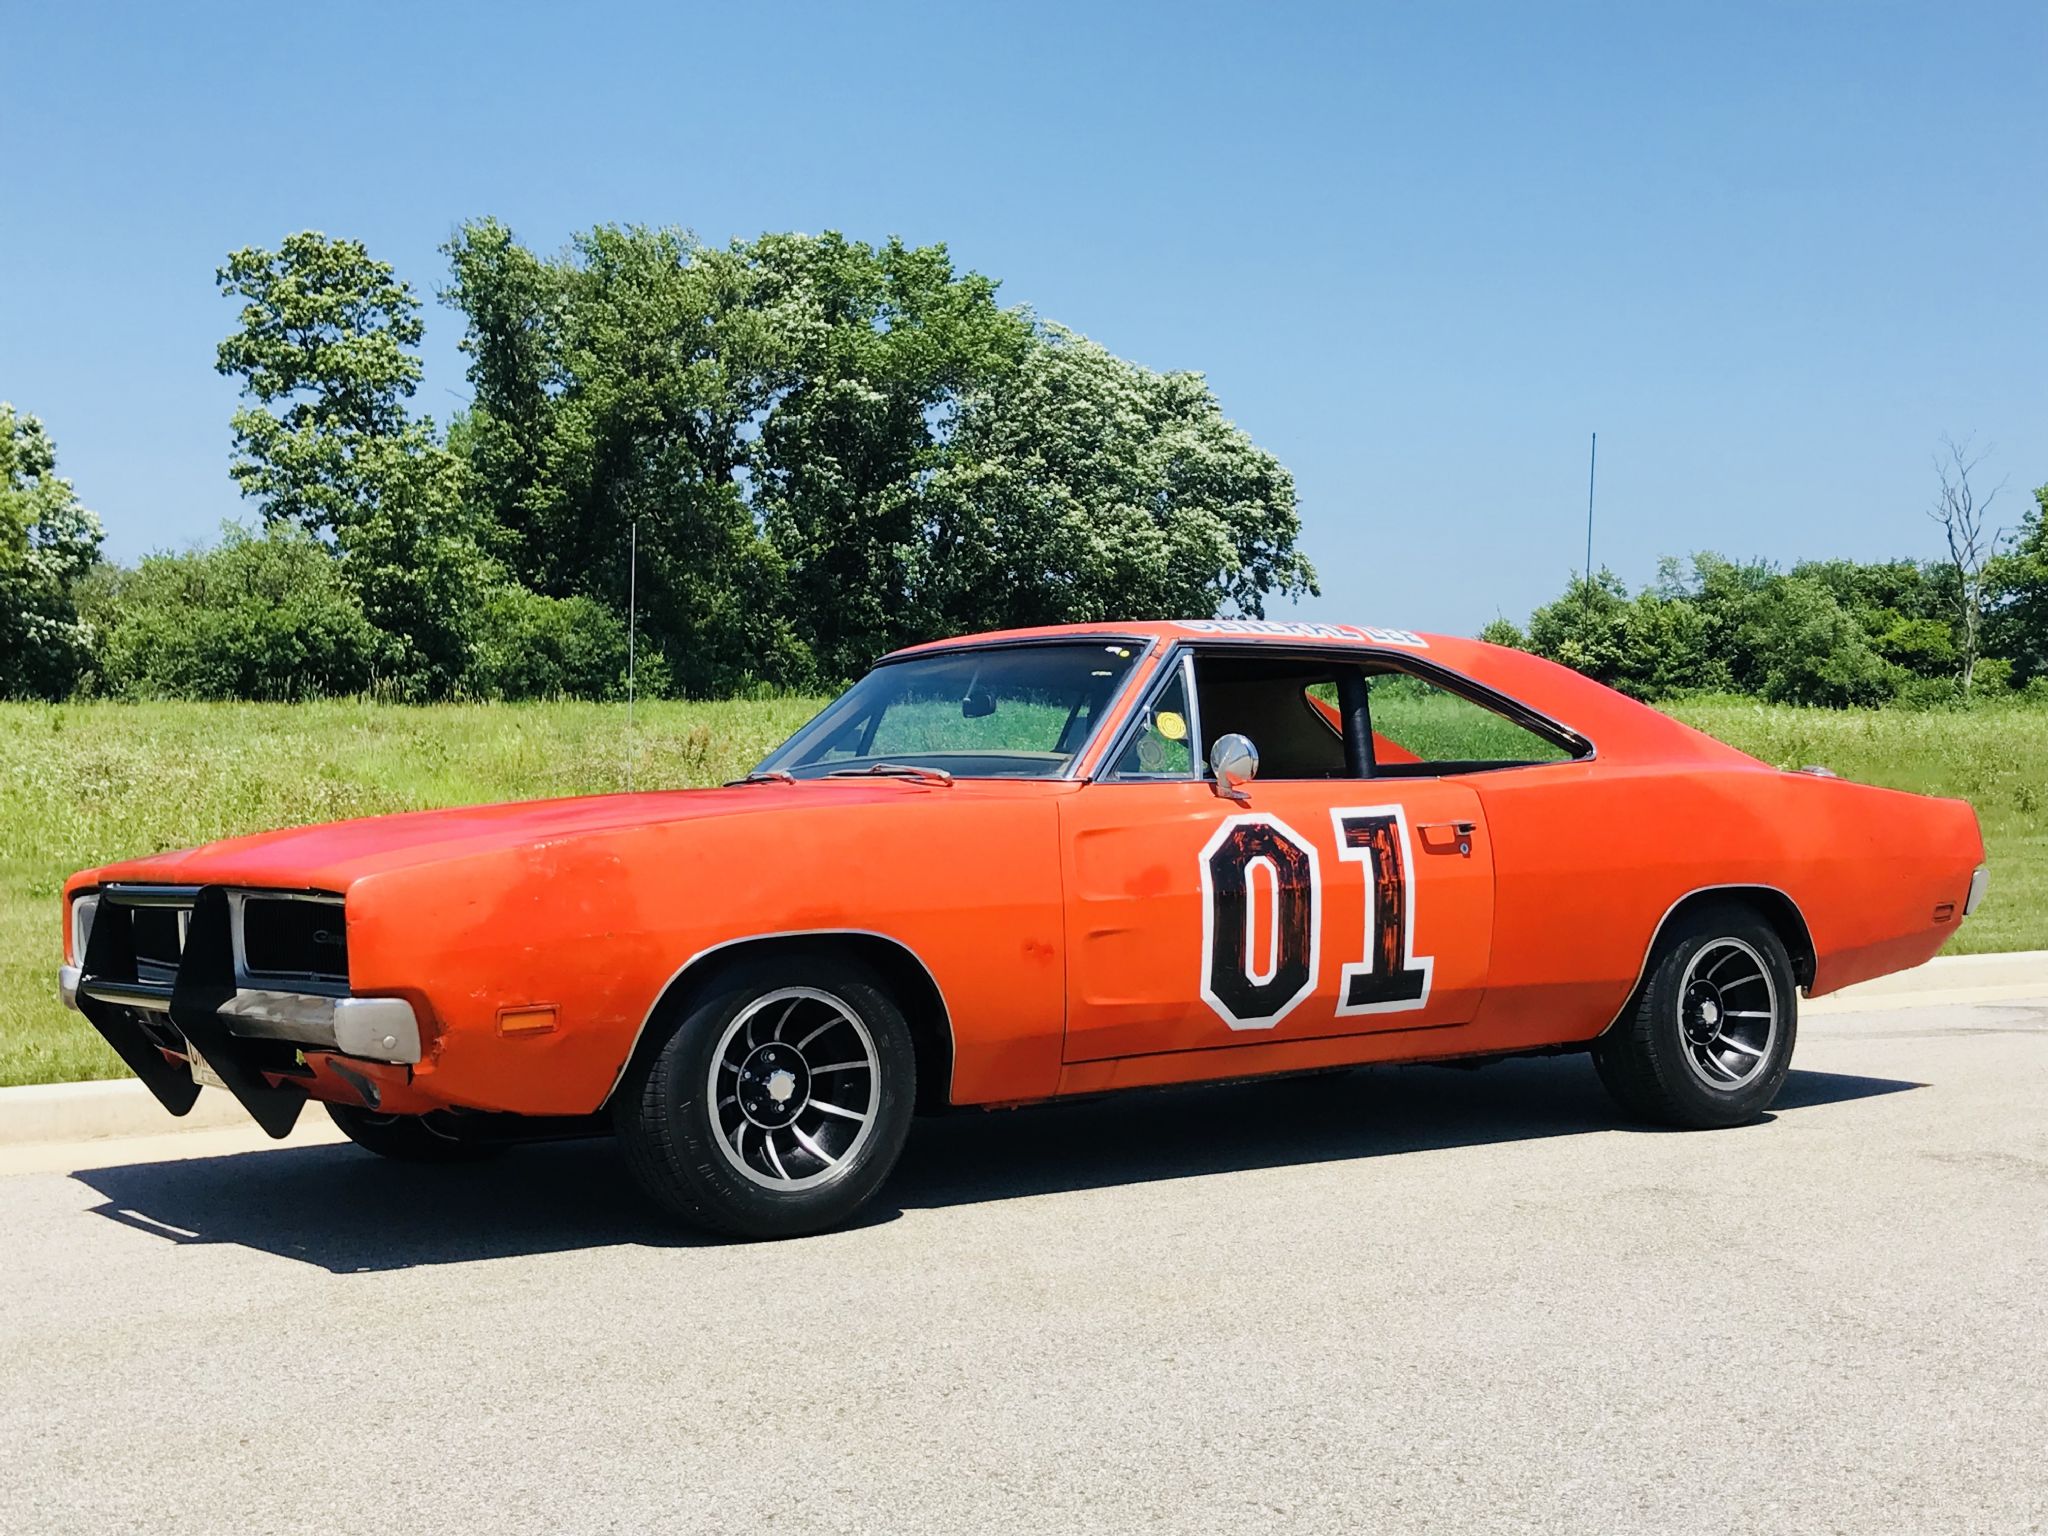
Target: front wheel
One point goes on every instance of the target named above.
(774, 1102)
(1709, 1039)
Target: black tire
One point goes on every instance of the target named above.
(410, 1138)
(679, 1138)
(1691, 1054)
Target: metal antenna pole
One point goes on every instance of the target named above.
(1592, 464)
(632, 628)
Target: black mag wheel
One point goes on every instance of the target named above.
(410, 1138)
(1728, 1013)
(1708, 1040)
(795, 1081)
(775, 1101)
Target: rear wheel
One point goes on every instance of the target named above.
(775, 1101)
(1709, 1039)
(410, 1138)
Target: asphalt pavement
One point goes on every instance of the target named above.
(1404, 1300)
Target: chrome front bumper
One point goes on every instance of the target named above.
(375, 1028)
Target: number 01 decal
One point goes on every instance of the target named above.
(1261, 927)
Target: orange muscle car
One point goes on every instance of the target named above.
(1025, 865)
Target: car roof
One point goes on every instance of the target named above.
(1622, 729)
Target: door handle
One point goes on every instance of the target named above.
(1461, 830)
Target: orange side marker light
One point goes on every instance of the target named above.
(536, 1020)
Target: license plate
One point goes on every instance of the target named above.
(202, 1074)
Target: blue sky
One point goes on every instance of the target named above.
(1771, 253)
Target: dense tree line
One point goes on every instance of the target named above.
(825, 450)
(1831, 632)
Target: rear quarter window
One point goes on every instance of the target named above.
(1435, 727)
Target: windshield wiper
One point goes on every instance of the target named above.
(764, 776)
(895, 771)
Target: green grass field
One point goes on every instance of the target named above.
(82, 784)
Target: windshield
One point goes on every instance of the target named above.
(994, 712)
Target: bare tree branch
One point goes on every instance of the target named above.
(1962, 518)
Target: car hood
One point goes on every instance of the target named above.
(333, 855)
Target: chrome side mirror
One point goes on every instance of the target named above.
(1235, 763)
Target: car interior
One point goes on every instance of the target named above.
(1316, 717)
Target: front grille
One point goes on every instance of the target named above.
(296, 937)
(157, 935)
(140, 937)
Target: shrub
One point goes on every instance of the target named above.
(527, 646)
(257, 617)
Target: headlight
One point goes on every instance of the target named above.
(82, 911)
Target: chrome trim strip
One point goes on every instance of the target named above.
(1979, 879)
(127, 994)
(1180, 660)
(67, 985)
(149, 895)
(945, 1008)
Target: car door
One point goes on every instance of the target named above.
(1324, 902)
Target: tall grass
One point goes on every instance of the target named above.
(83, 784)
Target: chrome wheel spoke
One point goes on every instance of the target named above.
(1722, 1060)
(813, 1148)
(762, 1085)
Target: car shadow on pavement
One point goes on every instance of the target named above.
(347, 1211)
(1186, 1132)
(341, 1209)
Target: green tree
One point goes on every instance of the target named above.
(1806, 648)
(48, 541)
(1501, 630)
(1586, 629)
(810, 432)
(1077, 486)
(2018, 628)
(325, 352)
(258, 616)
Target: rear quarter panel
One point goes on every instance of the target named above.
(598, 925)
(1590, 856)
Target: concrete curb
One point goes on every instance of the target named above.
(89, 1111)
(69, 1112)
(1943, 981)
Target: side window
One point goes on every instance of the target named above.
(1285, 705)
(1420, 729)
(1163, 747)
